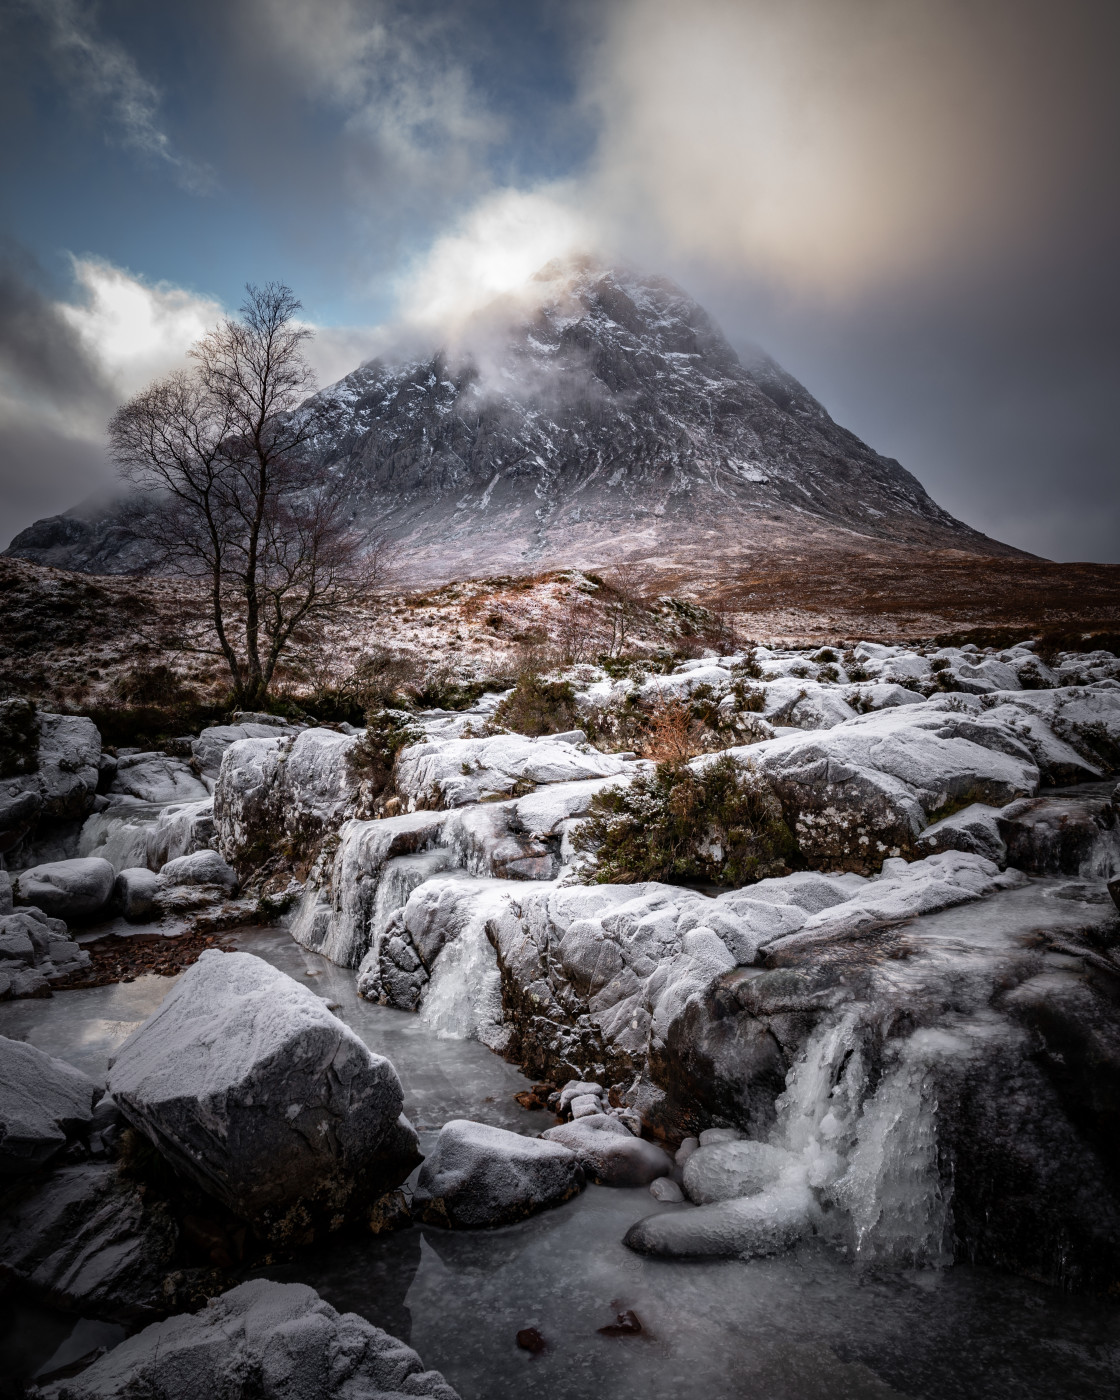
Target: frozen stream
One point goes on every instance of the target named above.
(803, 1326)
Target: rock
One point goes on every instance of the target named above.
(199, 868)
(154, 777)
(454, 772)
(1053, 835)
(210, 746)
(1114, 891)
(7, 904)
(249, 1085)
(273, 1341)
(722, 1170)
(67, 889)
(87, 1240)
(749, 1227)
(62, 771)
(136, 894)
(34, 949)
(277, 787)
(44, 1103)
(529, 1339)
(973, 829)
(576, 1089)
(477, 1175)
(586, 1105)
(609, 1153)
(666, 1190)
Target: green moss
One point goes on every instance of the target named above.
(722, 825)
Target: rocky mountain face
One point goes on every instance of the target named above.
(601, 415)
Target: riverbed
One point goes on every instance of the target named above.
(809, 1324)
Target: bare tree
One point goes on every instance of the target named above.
(625, 601)
(229, 489)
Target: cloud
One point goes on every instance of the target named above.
(66, 365)
(100, 71)
(419, 127)
(831, 145)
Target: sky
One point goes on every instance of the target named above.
(913, 205)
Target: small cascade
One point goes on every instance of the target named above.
(873, 1155)
(892, 1189)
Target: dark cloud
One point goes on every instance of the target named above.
(39, 350)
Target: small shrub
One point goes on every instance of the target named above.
(372, 757)
(826, 654)
(723, 825)
(538, 706)
(828, 673)
(750, 666)
(749, 698)
(939, 663)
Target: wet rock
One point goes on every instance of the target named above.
(609, 1153)
(87, 1240)
(626, 1324)
(1053, 835)
(154, 777)
(529, 1339)
(274, 1341)
(67, 889)
(249, 1085)
(1114, 891)
(44, 1104)
(477, 1175)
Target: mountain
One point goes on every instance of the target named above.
(599, 416)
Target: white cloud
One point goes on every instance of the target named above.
(491, 252)
(103, 72)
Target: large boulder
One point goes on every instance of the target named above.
(67, 889)
(199, 868)
(249, 1085)
(609, 1153)
(209, 748)
(48, 769)
(271, 1341)
(44, 1103)
(477, 1175)
(88, 1240)
(154, 777)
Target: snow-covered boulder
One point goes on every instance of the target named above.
(157, 778)
(723, 1170)
(67, 889)
(805, 704)
(210, 746)
(44, 1103)
(251, 1086)
(274, 1341)
(89, 1241)
(275, 789)
(34, 950)
(609, 1153)
(51, 770)
(974, 828)
(749, 1226)
(199, 868)
(477, 1175)
(864, 790)
(136, 894)
(453, 772)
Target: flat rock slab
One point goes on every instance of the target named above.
(272, 1341)
(43, 1103)
(86, 1240)
(248, 1084)
(478, 1176)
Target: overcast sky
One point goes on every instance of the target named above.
(912, 204)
